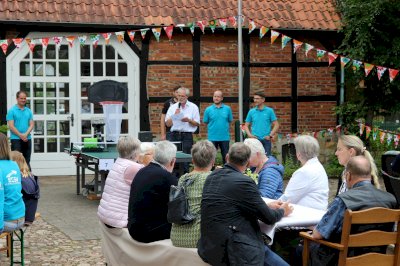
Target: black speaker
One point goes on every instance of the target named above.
(387, 159)
(145, 136)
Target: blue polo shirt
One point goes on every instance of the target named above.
(261, 121)
(218, 119)
(21, 119)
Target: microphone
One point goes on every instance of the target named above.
(179, 105)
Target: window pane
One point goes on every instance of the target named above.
(98, 52)
(39, 128)
(63, 69)
(63, 89)
(51, 51)
(86, 127)
(63, 54)
(50, 89)
(51, 107)
(64, 127)
(24, 69)
(119, 56)
(51, 145)
(85, 68)
(64, 144)
(51, 128)
(110, 69)
(25, 86)
(38, 52)
(85, 52)
(98, 109)
(97, 69)
(124, 126)
(84, 87)
(38, 69)
(38, 89)
(85, 108)
(38, 145)
(122, 69)
(50, 69)
(64, 107)
(38, 107)
(125, 108)
(110, 52)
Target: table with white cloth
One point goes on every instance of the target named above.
(300, 217)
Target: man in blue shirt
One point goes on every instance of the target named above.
(20, 122)
(218, 118)
(263, 121)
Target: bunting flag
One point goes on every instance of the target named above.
(368, 68)
(320, 54)
(223, 22)
(157, 33)
(356, 65)
(82, 40)
(362, 126)
(392, 74)
(120, 36)
(338, 128)
(181, 26)
(263, 31)
(396, 140)
(288, 137)
(382, 136)
(274, 36)
(131, 34)
(332, 57)
(285, 40)
(191, 27)
(94, 38)
(70, 40)
(18, 42)
(202, 25)
(4, 45)
(389, 138)
(252, 25)
(367, 131)
(31, 43)
(107, 36)
(297, 45)
(330, 131)
(45, 42)
(212, 24)
(344, 61)
(381, 70)
(57, 41)
(307, 48)
(143, 32)
(233, 21)
(374, 133)
(168, 30)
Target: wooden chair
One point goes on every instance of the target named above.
(370, 238)
(7, 246)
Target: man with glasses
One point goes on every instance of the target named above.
(261, 118)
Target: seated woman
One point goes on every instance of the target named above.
(14, 207)
(309, 185)
(113, 208)
(30, 187)
(203, 157)
(146, 153)
(269, 170)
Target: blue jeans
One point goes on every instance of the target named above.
(10, 226)
(267, 146)
(224, 146)
(187, 142)
(273, 259)
(23, 147)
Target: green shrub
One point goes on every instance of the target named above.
(3, 129)
(291, 165)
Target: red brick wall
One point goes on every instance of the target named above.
(315, 116)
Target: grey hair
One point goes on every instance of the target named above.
(255, 145)
(203, 153)
(128, 147)
(239, 154)
(164, 152)
(307, 146)
(146, 147)
(185, 90)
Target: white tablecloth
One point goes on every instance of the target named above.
(300, 217)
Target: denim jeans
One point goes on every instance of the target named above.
(224, 146)
(267, 146)
(273, 259)
(10, 226)
(187, 142)
(23, 147)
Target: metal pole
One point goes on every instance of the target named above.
(341, 99)
(240, 64)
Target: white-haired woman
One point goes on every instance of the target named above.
(146, 152)
(309, 185)
(269, 170)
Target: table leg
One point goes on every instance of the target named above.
(96, 179)
(78, 176)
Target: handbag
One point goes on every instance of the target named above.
(178, 205)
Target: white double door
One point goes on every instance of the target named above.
(56, 81)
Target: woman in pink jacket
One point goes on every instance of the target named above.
(113, 208)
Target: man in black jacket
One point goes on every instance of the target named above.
(230, 209)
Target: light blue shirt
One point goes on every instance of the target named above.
(261, 121)
(21, 119)
(218, 119)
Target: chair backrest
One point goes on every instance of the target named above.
(370, 238)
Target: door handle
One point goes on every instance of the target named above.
(71, 117)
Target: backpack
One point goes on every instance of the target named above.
(30, 187)
(178, 205)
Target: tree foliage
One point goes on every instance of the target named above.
(371, 33)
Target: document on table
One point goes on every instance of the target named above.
(300, 217)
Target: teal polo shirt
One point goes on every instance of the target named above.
(261, 121)
(218, 119)
(21, 119)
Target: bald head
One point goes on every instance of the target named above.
(359, 169)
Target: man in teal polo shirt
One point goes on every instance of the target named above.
(20, 122)
(263, 121)
(218, 117)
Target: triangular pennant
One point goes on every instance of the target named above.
(233, 21)
(212, 24)
(181, 26)
(297, 44)
(338, 129)
(368, 68)
(107, 36)
(223, 22)
(252, 25)
(18, 42)
(45, 42)
(82, 40)
(389, 137)
(202, 25)
(382, 136)
(57, 41)
(274, 36)
(381, 71)
(169, 30)
(362, 126)
(263, 31)
(344, 61)
(307, 48)
(4, 45)
(156, 33)
(356, 65)
(191, 26)
(332, 57)
(120, 36)
(143, 32)
(131, 34)
(320, 54)
(392, 74)
(285, 40)
(70, 40)
(95, 38)
(396, 140)
(31, 43)
(374, 133)
(367, 131)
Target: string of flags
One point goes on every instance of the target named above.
(94, 39)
